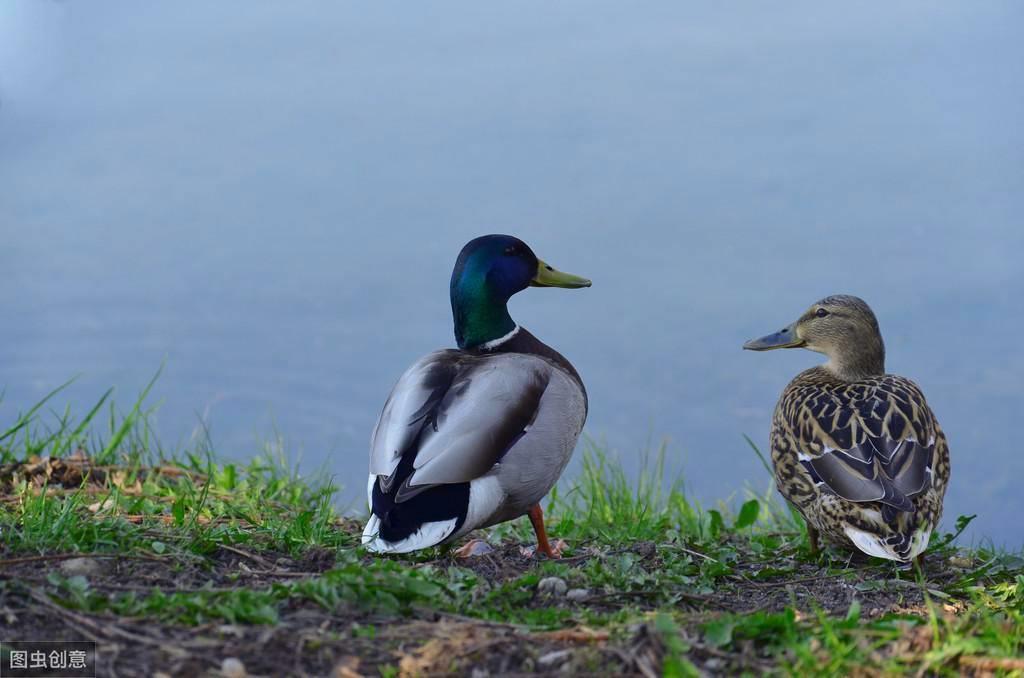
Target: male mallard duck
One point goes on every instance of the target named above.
(476, 436)
(857, 451)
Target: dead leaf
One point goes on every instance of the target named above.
(452, 642)
(347, 667)
(102, 505)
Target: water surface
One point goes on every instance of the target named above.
(270, 196)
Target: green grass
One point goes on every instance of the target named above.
(649, 556)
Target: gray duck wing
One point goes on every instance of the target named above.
(412, 401)
(454, 416)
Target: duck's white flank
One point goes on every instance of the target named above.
(485, 496)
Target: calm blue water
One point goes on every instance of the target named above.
(270, 196)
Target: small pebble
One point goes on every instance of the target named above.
(80, 566)
(552, 658)
(578, 595)
(228, 629)
(552, 586)
(478, 548)
(232, 667)
(714, 664)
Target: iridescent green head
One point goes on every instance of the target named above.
(489, 270)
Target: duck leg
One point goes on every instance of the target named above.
(537, 520)
(812, 536)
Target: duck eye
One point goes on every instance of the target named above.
(821, 313)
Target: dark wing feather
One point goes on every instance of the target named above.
(878, 446)
(846, 474)
(409, 408)
(452, 417)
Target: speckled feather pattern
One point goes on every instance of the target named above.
(820, 415)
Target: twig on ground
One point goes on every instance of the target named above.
(691, 552)
(245, 554)
(576, 635)
(286, 574)
(787, 582)
(72, 556)
(435, 614)
(648, 594)
(992, 663)
(106, 629)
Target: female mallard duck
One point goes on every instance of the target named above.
(857, 451)
(476, 436)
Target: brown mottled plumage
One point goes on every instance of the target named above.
(858, 452)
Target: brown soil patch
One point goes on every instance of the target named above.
(309, 640)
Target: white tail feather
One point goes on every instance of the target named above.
(429, 534)
(874, 545)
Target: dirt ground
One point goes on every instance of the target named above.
(309, 640)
